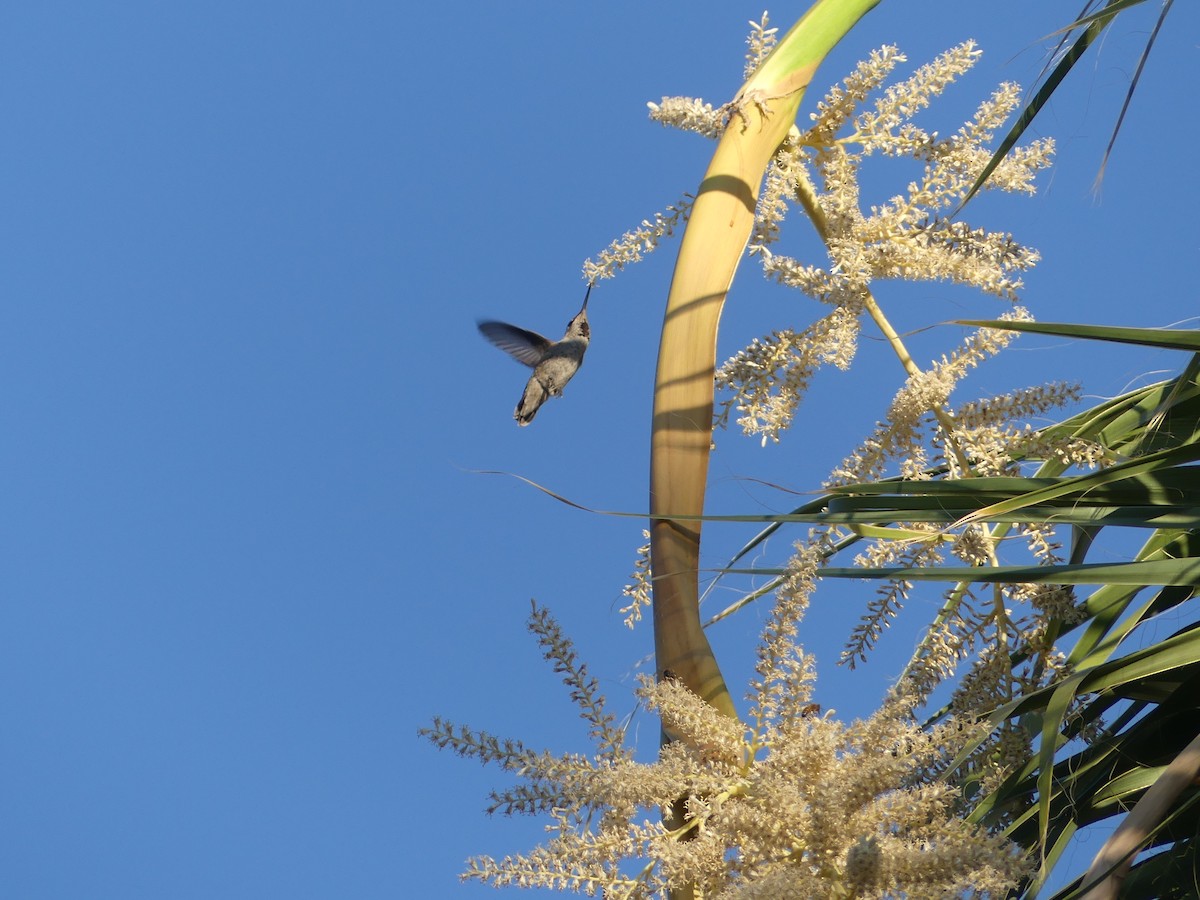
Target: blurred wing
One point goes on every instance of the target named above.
(524, 346)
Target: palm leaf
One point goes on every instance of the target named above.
(1091, 26)
(1145, 694)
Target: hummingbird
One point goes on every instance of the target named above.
(554, 363)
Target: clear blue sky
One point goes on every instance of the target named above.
(243, 247)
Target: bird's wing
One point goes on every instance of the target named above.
(524, 346)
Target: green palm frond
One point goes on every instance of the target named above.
(1128, 705)
(1149, 692)
(1077, 38)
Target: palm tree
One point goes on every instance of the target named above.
(1122, 726)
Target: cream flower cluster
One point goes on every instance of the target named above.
(793, 804)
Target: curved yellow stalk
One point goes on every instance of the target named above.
(712, 245)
